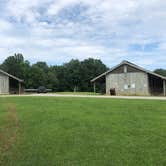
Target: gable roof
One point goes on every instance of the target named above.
(132, 65)
(11, 76)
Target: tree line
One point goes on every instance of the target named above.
(161, 72)
(72, 76)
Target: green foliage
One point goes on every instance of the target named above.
(84, 132)
(161, 72)
(72, 76)
(37, 76)
(16, 65)
(91, 68)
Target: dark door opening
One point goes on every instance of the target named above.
(112, 92)
(155, 85)
(15, 86)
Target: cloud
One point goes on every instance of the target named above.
(5, 25)
(58, 30)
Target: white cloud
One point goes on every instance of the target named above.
(55, 7)
(104, 29)
(5, 25)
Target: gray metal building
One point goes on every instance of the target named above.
(129, 79)
(10, 84)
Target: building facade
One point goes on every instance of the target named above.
(129, 79)
(10, 84)
(4, 84)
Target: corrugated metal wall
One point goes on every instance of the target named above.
(4, 84)
(127, 81)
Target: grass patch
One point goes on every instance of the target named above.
(85, 131)
(78, 93)
(8, 130)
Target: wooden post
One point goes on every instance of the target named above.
(94, 87)
(164, 87)
(19, 88)
(125, 69)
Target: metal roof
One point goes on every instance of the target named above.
(132, 65)
(9, 75)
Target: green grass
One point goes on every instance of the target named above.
(41, 131)
(78, 93)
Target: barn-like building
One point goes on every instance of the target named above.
(129, 79)
(10, 84)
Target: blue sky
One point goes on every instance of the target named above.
(56, 31)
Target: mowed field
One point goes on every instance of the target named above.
(47, 131)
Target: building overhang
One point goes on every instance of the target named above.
(11, 76)
(129, 64)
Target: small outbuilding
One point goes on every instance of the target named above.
(129, 79)
(10, 84)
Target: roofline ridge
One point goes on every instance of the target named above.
(12, 76)
(131, 64)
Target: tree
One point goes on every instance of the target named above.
(42, 65)
(16, 65)
(161, 72)
(39, 75)
(72, 76)
(36, 77)
(91, 68)
(62, 83)
(52, 80)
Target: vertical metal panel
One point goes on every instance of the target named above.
(125, 68)
(4, 84)
(94, 87)
(128, 83)
(164, 87)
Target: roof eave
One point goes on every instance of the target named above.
(96, 78)
(9, 75)
(130, 64)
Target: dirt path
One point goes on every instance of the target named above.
(9, 130)
(90, 96)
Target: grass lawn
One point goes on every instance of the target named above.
(47, 131)
(78, 93)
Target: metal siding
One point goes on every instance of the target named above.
(4, 84)
(128, 83)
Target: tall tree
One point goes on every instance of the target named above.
(161, 72)
(91, 68)
(16, 65)
(72, 76)
(36, 77)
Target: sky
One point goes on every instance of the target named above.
(57, 31)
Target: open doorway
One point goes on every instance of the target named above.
(112, 92)
(155, 85)
(15, 87)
